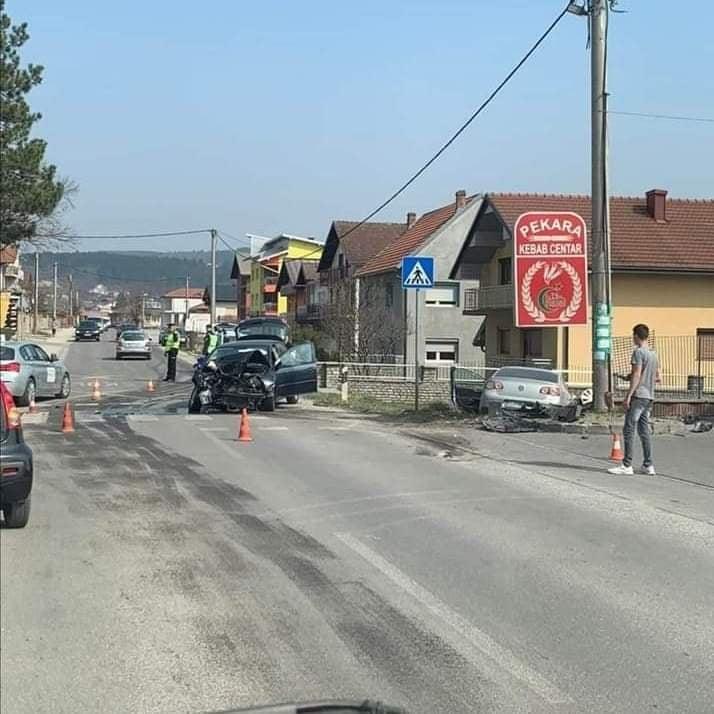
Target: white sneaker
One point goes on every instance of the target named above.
(649, 470)
(621, 470)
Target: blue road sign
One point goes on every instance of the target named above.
(418, 271)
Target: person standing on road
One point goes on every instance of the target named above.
(210, 341)
(638, 402)
(172, 343)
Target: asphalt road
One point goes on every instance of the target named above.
(169, 568)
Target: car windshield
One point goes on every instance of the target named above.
(132, 336)
(538, 375)
(87, 325)
(232, 351)
(6, 353)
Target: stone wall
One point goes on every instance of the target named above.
(398, 391)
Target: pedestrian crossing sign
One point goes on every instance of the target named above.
(418, 271)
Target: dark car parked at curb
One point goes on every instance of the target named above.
(16, 467)
(87, 330)
(253, 374)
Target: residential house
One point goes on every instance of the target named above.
(265, 298)
(293, 281)
(226, 302)
(387, 313)
(10, 293)
(662, 258)
(240, 273)
(176, 304)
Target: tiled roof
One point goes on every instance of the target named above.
(411, 240)
(685, 241)
(360, 244)
(191, 294)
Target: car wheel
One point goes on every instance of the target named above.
(293, 399)
(28, 395)
(194, 403)
(65, 388)
(17, 514)
(267, 405)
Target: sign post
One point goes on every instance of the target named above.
(417, 273)
(551, 269)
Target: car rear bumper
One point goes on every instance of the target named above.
(79, 338)
(489, 398)
(14, 382)
(16, 487)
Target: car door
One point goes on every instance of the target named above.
(51, 371)
(35, 368)
(296, 371)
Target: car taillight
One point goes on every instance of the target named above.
(553, 391)
(10, 367)
(493, 385)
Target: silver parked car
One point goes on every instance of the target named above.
(525, 388)
(133, 343)
(29, 372)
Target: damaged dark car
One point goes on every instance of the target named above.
(253, 374)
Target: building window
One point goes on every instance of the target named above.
(442, 294)
(505, 271)
(442, 351)
(503, 340)
(533, 343)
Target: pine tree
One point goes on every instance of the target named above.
(29, 188)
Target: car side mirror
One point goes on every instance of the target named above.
(54, 358)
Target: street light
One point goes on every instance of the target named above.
(577, 9)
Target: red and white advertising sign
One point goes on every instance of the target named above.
(550, 269)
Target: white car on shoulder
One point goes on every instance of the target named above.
(29, 372)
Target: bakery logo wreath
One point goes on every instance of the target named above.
(549, 298)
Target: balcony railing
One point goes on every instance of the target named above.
(493, 297)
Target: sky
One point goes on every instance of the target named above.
(281, 116)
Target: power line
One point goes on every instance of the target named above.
(135, 235)
(458, 132)
(671, 117)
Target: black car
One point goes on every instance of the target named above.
(264, 327)
(16, 468)
(88, 330)
(253, 374)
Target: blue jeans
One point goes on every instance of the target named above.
(638, 416)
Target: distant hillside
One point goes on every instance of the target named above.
(133, 271)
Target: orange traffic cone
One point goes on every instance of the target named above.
(150, 386)
(244, 431)
(616, 454)
(96, 393)
(67, 419)
(33, 406)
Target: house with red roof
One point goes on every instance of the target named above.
(445, 333)
(176, 305)
(662, 258)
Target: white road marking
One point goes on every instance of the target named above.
(476, 638)
(198, 417)
(274, 428)
(142, 417)
(88, 418)
(225, 445)
(40, 418)
(215, 428)
(334, 428)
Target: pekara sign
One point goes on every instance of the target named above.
(550, 269)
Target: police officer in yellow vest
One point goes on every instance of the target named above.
(171, 348)
(210, 341)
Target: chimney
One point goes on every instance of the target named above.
(460, 200)
(656, 204)
(411, 219)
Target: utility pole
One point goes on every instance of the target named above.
(143, 310)
(36, 301)
(71, 300)
(214, 241)
(599, 233)
(54, 291)
(185, 317)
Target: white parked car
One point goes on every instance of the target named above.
(525, 389)
(133, 343)
(29, 372)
